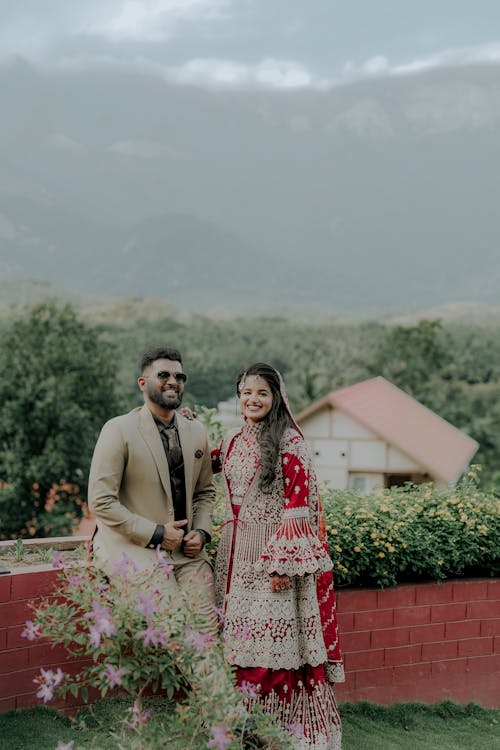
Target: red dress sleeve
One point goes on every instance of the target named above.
(295, 549)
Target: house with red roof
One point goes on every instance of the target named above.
(372, 434)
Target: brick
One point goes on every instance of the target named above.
(33, 585)
(496, 644)
(3, 639)
(12, 661)
(365, 659)
(462, 629)
(5, 584)
(439, 651)
(399, 596)
(16, 683)
(374, 620)
(345, 621)
(466, 591)
(408, 673)
(356, 641)
(27, 700)
(15, 613)
(411, 654)
(355, 601)
(475, 647)
(14, 639)
(390, 637)
(494, 589)
(448, 612)
(412, 615)
(7, 704)
(433, 593)
(427, 633)
(484, 665)
(483, 610)
(490, 627)
(373, 677)
(45, 655)
(449, 666)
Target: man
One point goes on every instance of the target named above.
(151, 483)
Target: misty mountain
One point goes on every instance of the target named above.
(381, 194)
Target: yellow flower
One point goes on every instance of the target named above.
(391, 548)
(357, 549)
(373, 535)
(381, 554)
(336, 546)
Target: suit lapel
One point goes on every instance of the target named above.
(149, 432)
(187, 447)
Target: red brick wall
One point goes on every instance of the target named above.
(426, 642)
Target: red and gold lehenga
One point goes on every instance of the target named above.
(284, 645)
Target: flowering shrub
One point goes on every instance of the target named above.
(138, 634)
(409, 533)
(412, 533)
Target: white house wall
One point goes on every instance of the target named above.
(399, 462)
(342, 447)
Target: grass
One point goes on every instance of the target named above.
(404, 726)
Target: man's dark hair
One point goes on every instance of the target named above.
(159, 352)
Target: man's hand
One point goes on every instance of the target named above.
(280, 583)
(193, 543)
(173, 534)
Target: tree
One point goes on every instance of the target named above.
(57, 388)
(415, 358)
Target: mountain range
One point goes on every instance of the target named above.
(377, 196)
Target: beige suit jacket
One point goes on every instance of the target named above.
(129, 485)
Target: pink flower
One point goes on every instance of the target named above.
(139, 718)
(248, 689)
(75, 580)
(114, 675)
(220, 614)
(65, 745)
(125, 567)
(221, 737)
(161, 559)
(48, 680)
(102, 621)
(57, 560)
(199, 641)
(45, 692)
(152, 636)
(31, 631)
(296, 729)
(94, 636)
(147, 605)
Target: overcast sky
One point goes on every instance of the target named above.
(269, 43)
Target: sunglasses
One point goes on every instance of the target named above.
(164, 376)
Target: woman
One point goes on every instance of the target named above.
(273, 573)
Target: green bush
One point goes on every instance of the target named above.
(410, 533)
(415, 532)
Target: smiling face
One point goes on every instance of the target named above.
(162, 386)
(256, 398)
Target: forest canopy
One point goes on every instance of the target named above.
(64, 375)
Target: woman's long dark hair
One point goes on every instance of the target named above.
(274, 424)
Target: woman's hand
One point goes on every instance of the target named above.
(280, 583)
(188, 413)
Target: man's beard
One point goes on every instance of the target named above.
(159, 398)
